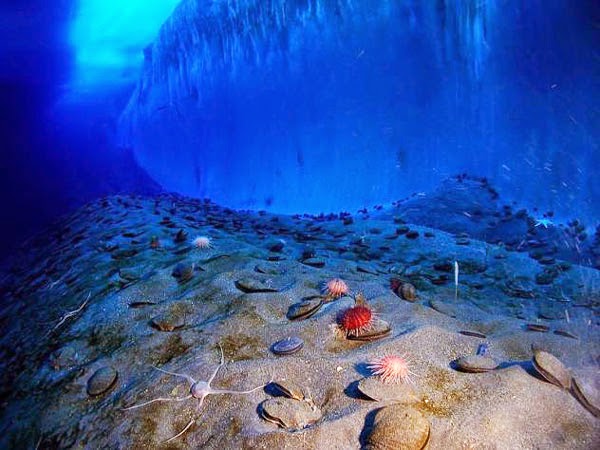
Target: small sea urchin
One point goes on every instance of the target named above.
(202, 242)
(335, 288)
(356, 320)
(391, 369)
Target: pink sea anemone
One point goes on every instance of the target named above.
(391, 369)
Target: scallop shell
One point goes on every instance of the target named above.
(168, 321)
(580, 395)
(475, 363)
(101, 381)
(377, 330)
(287, 346)
(290, 414)
(397, 427)
(250, 285)
(550, 367)
(374, 389)
(290, 390)
(304, 309)
(408, 292)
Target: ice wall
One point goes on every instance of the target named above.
(320, 105)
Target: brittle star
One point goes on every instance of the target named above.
(198, 389)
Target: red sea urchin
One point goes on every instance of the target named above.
(357, 319)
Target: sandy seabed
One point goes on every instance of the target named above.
(95, 304)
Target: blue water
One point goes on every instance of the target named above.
(303, 106)
(301, 186)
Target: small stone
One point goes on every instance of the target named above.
(475, 364)
(101, 381)
(287, 346)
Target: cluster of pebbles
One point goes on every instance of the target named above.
(132, 282)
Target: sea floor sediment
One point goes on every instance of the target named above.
(92, 307)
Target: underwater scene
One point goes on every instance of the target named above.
(300, 224)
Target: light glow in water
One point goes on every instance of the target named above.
(108, 37)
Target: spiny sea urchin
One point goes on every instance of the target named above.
(391, 369)
(202, 242)
(335, 288)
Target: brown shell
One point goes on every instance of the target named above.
(290, 414)
(304, 309)
(398, 427)
(550, 367)
(408, 292)
(377, 330)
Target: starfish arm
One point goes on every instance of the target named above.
(223, 391)
(160, 399)
(212, 377)
(181, 432)
(182, 375)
